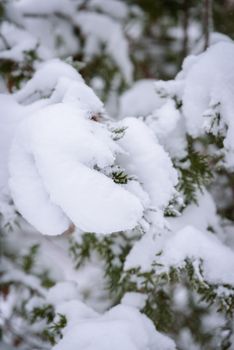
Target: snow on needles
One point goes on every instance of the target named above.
(97, 28)
(204, 88)
(60, 152)
(40, 86)
(206, 91)
(140, 100)
(122, 327)
(52, 167)
(201, 246)
(189, 238)
(148, 160)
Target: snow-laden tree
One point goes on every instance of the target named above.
(113, 233)
(35, 31)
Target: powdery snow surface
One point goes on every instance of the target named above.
(115, 8)
(147, 160)
(56, 152)
(143, 253)
(19, 42)
(61, 17)
(97, 28)
(45, 80)
(168, 125)
(186, 243)
(208, 90)
(17, 53)
(140, 100)
(161, 115)
(62, 292)
(197, 245)
(55, 139)
(134, 299)
(11, 114)
(52, 160)
(122, 327)
(215, 37)
(202, 216)
(188, 238)
(45, 7)
(205, 89)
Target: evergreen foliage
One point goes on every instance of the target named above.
(195, 174)
(180, 299)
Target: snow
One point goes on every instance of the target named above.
(75, 312)
(83, 98)
(140, 100)
(62, 292)
(18, 106)
(11, 115)
(187, 237)
(115, 8)
(57, 136)
(44, 7)
(143, 253)
(97, 28)
(122, 327)
(92, 286)
(61, 151)
(22, 278)
(17, 53)
(13, 14)
(168, 116)
(20, 41)
(148, 161)
(50, 24)
(186, 243)
(133, 299)
(194, 244)
(215, 37)
(168, 126)
(40, 86)
(207, 90)
(202, 215)
(186, 340)
(53, 143)
(6, 346)
(193, 33)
